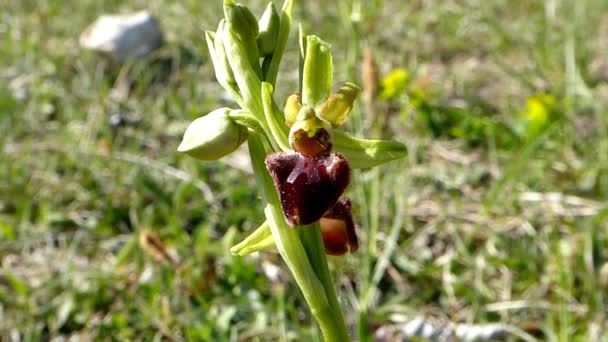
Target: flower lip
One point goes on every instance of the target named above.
(338, 229)
(308, 187)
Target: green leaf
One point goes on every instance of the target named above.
(19, 286)
(126, 252)
(261, 239)
(7, 232)
(64, 311)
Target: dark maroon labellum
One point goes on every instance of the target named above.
(338, 228)
(311, 147)
(308, 187)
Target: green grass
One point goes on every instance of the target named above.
(491, 218)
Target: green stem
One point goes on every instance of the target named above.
(321, 300)
(312, 239)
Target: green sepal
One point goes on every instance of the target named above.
(302, 45)
(213, 136)
(366, 153)
(317, 73)
(260, 240)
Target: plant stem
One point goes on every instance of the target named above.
(312, 239)
(311, 274)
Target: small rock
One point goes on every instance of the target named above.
(123, 36)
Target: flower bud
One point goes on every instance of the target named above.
(269, 26)
(242, 20)
(292, 108)
(213, 136)
(335, 110)
(308, 187)
(241, 29)
(338, 229)
(310, 135)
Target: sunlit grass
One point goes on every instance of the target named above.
(482, 223)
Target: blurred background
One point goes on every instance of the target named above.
(496, 221)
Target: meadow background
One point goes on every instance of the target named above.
(499, 213)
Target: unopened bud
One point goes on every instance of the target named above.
(292, 108)
(240, 17)
(213, 136)
(335, 110)
(269, 25)
(241, 30)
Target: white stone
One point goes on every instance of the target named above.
(123, 36)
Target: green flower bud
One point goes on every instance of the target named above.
(292, 108)
(213, 136)
(269, 25)
(335, 110)
(241, 19)
(243, 24)
(272, 67)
